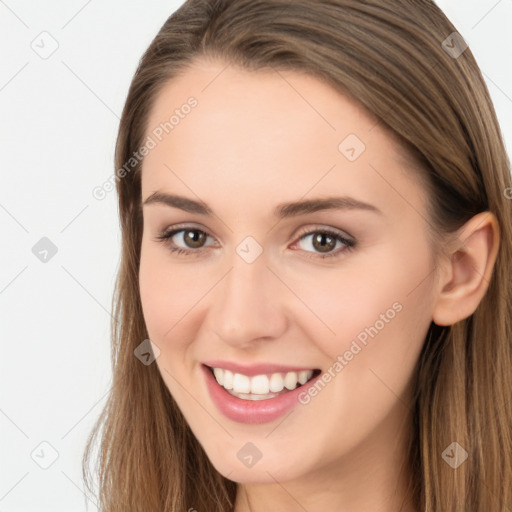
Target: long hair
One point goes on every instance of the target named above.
(396, 59)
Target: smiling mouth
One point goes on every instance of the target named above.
(261, 387)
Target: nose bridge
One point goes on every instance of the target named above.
(247, 303)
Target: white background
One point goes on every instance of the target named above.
(58, 124)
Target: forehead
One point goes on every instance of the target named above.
(283, 131)
(273, 100)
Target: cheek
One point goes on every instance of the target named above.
(379, 310)
(173, 297)
(164, 297)
(165, 300)
(386, 290)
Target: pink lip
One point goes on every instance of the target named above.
(252, 411)
(255, 369)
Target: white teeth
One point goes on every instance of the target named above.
(219, 375)
(290, 381)
(228, 379)
(260, 384)
(276, 383)
(303, 377)
(241, 383)
(245, 396)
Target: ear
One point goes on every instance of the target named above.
(467, 269)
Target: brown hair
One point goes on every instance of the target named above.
(389, 56)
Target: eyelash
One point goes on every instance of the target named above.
(349, 244)
(165, 237)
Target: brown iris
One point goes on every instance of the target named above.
(319, 242)
(194, 238)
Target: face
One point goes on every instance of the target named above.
(339, 292)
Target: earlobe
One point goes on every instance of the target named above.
(466, 276)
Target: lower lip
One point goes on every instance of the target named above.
(251, 411)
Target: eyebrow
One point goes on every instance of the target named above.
(282, 210)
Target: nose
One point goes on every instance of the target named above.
(250, 304)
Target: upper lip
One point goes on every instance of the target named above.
(255, 369)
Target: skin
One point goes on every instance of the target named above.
(254, 140)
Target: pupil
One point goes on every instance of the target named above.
(320, 239)
(195, 237)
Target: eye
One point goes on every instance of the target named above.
(192, 238)
(325, 241)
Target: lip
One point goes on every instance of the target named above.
(255, 369)
(252, 411)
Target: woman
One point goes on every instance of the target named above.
(313, 308)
